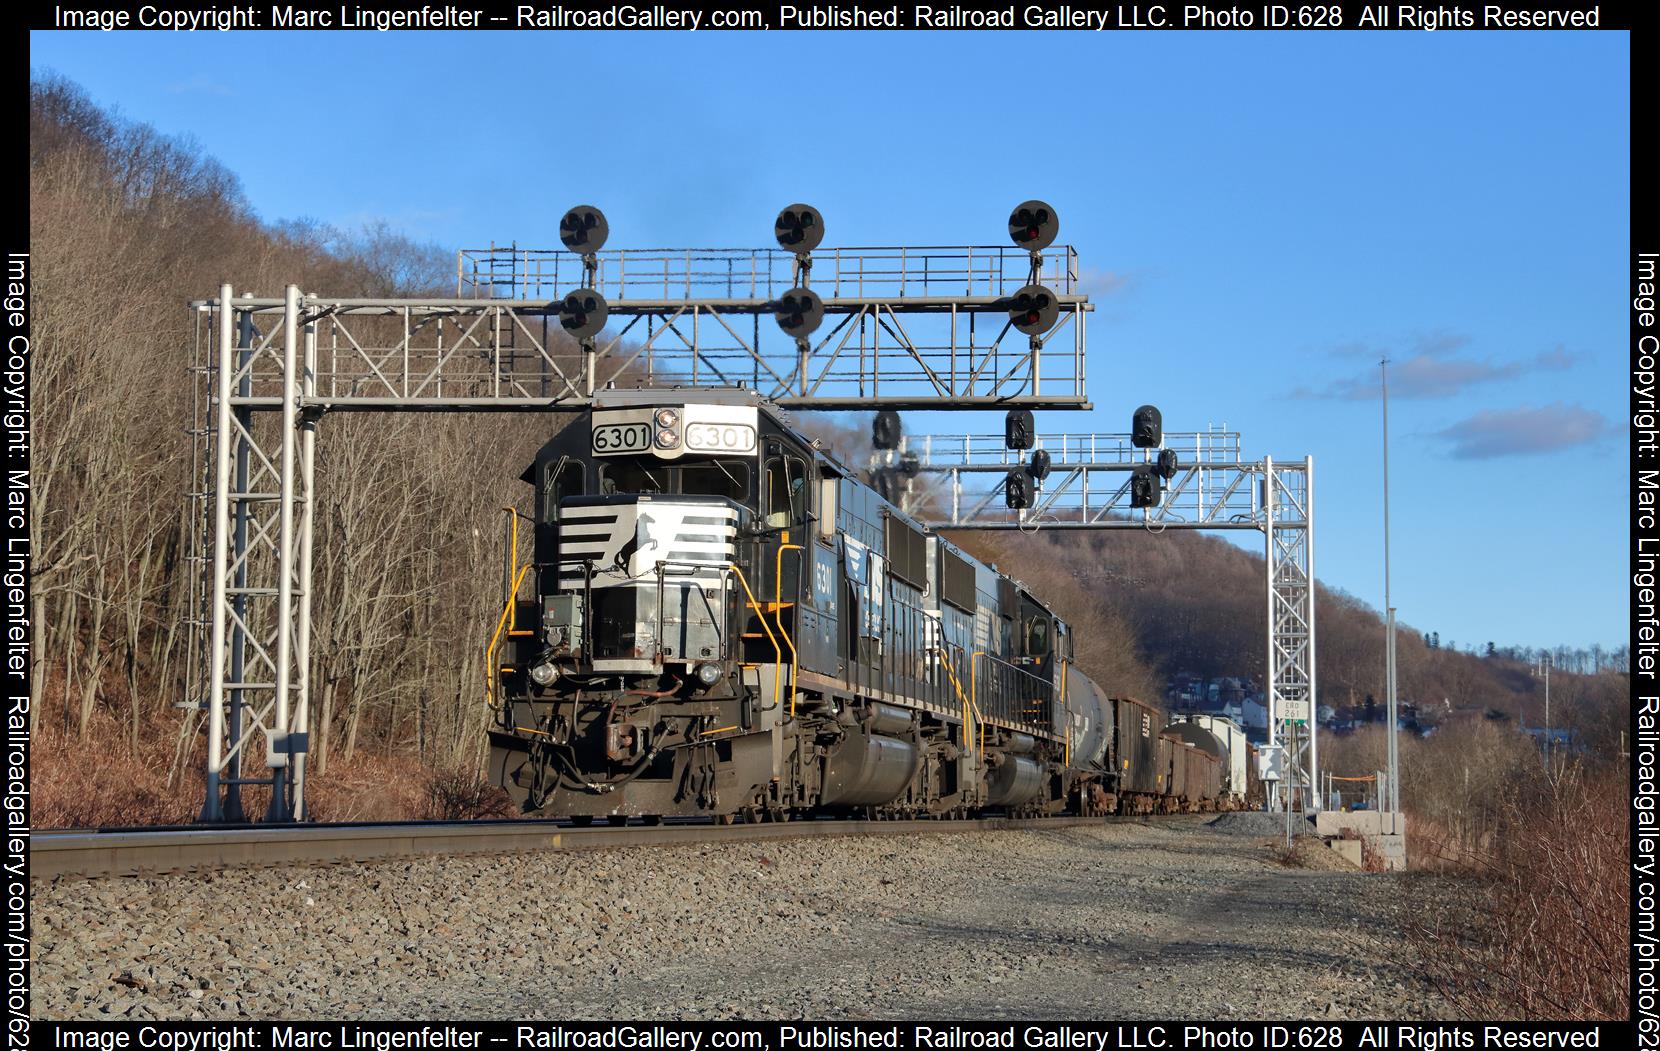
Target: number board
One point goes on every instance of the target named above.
(720, 437)
(614, 439)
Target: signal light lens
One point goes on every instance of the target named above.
(1034, 226)
(582, 313)
(1034, 310)
(799, 228)
(667, 439)
(667, 417)
(800, 311)
(584, 229)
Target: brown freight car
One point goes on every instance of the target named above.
(1141, 764)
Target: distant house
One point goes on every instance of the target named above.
(1247, 713)
(1559, 739)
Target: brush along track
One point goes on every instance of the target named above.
(121, 852)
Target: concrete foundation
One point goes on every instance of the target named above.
(1348, 848)
(1383, 831)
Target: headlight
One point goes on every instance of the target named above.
(667, 439)
(667, 417)
(543, 673)
(709, 674)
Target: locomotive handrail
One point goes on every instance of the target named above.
(974, 671)
(514, 579)
(778, 612)
(760, 614)
(492, 673)
(968, 705)
(660, 567)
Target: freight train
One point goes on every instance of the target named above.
(719, 618)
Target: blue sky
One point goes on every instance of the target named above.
(1268, 215)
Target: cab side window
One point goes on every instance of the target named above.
(564, 480)
(1037, 637)
(786, 489)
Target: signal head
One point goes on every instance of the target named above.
(1147, 428)
(1169, 463)
(584, 229)
(1034, 226)
(582, 313)
(800, 311)
(886, 430)
(1145, 488)
(1019, 429)
(1034, 310)
(799, 228)
(1017, 491)
(1039, 465)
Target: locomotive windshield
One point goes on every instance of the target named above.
(728, 478)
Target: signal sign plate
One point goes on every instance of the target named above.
(1294, 709)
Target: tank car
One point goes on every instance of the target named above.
(1225, 739)
(718, 618)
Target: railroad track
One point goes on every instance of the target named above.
(122, 852)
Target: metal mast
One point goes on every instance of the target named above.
(1389, 605)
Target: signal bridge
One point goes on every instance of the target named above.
(1088, 481)
(535, 331)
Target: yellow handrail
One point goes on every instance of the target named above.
(509, 613)
(969, 706)
(491, 672)
(761, 615)
(778, 612)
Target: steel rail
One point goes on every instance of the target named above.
(92, 853)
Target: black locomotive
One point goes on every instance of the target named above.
(721, 619)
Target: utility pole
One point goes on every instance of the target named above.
(1394, 801)
(1543, 668)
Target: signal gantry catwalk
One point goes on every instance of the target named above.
(528, 330)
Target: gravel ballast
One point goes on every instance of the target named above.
(1168, 919)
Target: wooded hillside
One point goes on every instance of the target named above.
(127, 225)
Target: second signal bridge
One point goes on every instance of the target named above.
(961, 482)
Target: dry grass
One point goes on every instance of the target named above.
(457, 795)
(1308, 852)
(103, 781)
(1550, 938)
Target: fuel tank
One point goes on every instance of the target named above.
(867, 770)
(1014, 781)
